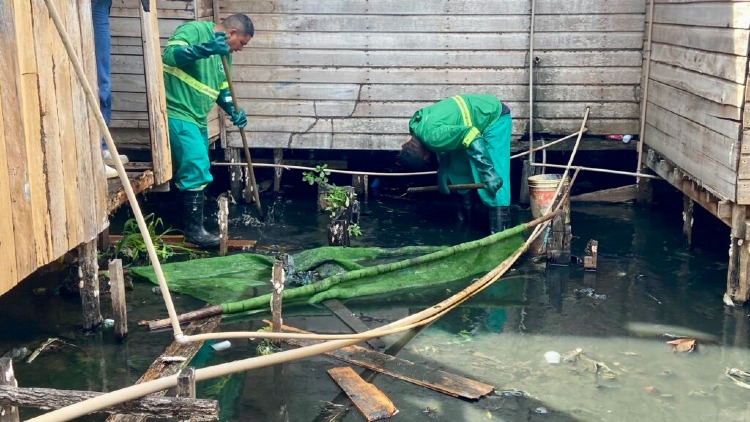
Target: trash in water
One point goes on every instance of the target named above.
(541, 410)
(224, 345)
(589, 292)
(108, 323)
(682, 345)
(552, 357)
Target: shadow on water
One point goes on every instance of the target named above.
(648, 288)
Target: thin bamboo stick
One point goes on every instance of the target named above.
(599, 170)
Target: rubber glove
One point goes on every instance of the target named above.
(189, 54)
(238, 118)
(442, 174)
(226, 103)
(479, 153)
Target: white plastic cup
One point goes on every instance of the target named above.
(552, 357)
(627, 138)
(224, 345)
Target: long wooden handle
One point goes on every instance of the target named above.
(250, 170)
(450, 187)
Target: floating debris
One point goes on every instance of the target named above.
(552, 357)
(573, 355)
(17, 354)
(171, 359)
(589, 292)
(739, 377)
(682, 345)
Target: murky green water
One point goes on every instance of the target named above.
(648, 285)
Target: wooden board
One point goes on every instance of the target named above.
(372, 403)
(615, 195)
(232, 244)
(434, 379)
(350, 319)
(140, 182)
(160, 368)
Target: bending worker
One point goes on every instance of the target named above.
(194, 81)
(470, 134)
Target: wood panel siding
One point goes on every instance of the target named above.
(51, 173)
(349, 74)
(697, 90)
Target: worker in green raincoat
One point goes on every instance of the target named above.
(470, 133)
(194, 81)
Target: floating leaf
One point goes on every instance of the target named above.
(683, 345)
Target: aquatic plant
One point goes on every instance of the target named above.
(132, 248)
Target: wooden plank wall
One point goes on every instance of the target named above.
(348, 74)
(52, 183)
(697, 89)
(129, 103)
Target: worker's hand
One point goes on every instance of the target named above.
(218, 45)
(239, 118)
(442, 174)
(492, 182)
(479, 152)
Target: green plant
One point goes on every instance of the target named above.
(133, 247)
(318, 176)
(354, 230)
(336, 198)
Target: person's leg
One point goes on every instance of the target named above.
(498, 138)
(189, 145)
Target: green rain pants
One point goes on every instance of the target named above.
(461, 169)
(189, 145)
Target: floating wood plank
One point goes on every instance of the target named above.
(161, 368)
(372, 403)
(178, 239)
(433, 379)
(614, 195)
(347, 317)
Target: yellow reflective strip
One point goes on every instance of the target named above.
(464, 109)
(191, 82)
(469, 138)
(176, 42)
(223, 85)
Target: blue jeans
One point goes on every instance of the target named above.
(100, 16)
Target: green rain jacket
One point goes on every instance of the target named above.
(192, 90)
(449, 126)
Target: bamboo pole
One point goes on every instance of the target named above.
(93, 102)
(599, 170)
(545, 146)
(450, 187)
(644, 100)
(243, 135)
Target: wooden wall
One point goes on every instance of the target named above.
(697, 92)
(129, 106)
(52, 183)
(348, 74)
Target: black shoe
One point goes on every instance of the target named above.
(192, 211)
(499, 219)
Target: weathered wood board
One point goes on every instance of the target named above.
(372, 403)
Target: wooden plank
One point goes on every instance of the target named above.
(434, 379)
(449, 41)
(139, 182)
(15, 146)
(447, 23)
(157, 103)
(83, 144)
(722, 15)
(98, 176)
(725, 66)
(7, 243)
(46, 37)
(178, 239)
(372, 403)
(161, 368)
(8, 413)
(711, 88)
(431, 7)
(614, 195)
(718, 40)
(29, 105)
(350, 319)
(68, 156)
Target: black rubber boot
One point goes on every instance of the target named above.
(464, 213)
(192, 211)
(499, 219)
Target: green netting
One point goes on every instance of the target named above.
(349, 272)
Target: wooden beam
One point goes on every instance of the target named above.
(372, 403)
(178, 239)
(117, 197)
(431, 378)
(161, 368)
(614, 195)
(347, 317)
(88, 269)
(145, 407)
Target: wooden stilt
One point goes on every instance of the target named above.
(687, 219)
(223, 224)
(277, 280)
(89, 285)
(8, 378)
(590, 255)
(278, 157)
(186, 383)
(234, 155)
(738, 289)
(645, 191)
(103, 240)
(358, 181)
(523, 193)
(558, 246)
(119, 306)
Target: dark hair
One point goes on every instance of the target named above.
(412, 155)
(241, 23)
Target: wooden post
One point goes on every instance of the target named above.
(119, 306)
(645, 193)
(590, 255)
(223, 224)
(687, 219)
(358, 182)
(738, 289)
(88, 282)
(233, 155)
(186, 383)
(277, 280)
(7, 377)
(278, 157)
(523, 193)
(558, 244)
